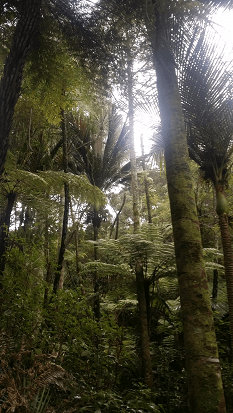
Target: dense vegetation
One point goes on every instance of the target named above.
(116, 265)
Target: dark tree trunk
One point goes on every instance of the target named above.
(96, 307)
(63, 240)
(66, 210)
(10, 85)
(4, 231)
(116, 221)
(144, 333)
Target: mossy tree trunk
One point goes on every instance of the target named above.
(202, 360)
(222, 211)
(10, 85)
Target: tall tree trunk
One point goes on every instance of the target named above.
(140, 281)
(144, 330)
(146, 183)
(10, 85)
(202, 360)
(133, 170)
(76, 230)
(66, 209)
(96, 307)
(222, 211)
(47, 260)
(4, 231)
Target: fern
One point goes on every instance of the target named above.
(26, 378)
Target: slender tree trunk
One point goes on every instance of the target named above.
(146, 184)
(10, 85)
(202, 360)
(144, 333)
(222, 211)
(48, 263)
(215, 285)
(116, 221)
(4, 231)
(134, 179)
(75, 237)
(96, 308)
(66, 210)
(140, 281)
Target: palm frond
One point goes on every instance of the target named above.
(205, 87)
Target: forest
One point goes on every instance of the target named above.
(116, 259)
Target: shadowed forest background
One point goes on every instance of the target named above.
(116, 263)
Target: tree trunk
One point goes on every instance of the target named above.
(66, 210)
(10, 85)
(202, 360)
(116, 220)
(76, 229)
(96, 307)
(222, 211)
(215, 285)
(133, 170)
(4, 231)
(144, 331)
(144, 328)
(48, 262)
(146, 184)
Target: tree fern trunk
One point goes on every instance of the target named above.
(10, 85)
(202, 361)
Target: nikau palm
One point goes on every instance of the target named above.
(99, 149)
(162, 24)
(208, 103)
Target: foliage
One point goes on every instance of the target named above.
(26, 378)
(55, 356)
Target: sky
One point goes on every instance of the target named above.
(223, 24)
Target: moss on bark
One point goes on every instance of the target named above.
(203, 368)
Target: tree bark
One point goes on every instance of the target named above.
(202, 360)
(116, 220)
(203, 368)
(144, 330)
(10, 85)
(66, 210)
(228, 259)
(96, 307)
(146, 184)
(4, 231)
